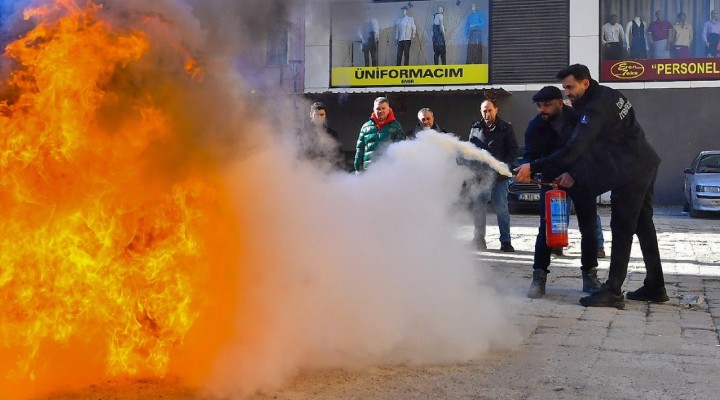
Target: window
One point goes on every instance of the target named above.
(709, 164)
(277, 46)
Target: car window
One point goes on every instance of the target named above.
(709, 164)
(694, 164)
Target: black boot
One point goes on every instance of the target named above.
(591, 283)
(537, 287)
(604, 297)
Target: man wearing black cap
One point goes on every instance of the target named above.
(547, 132)
(607, 151)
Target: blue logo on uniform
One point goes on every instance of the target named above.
(584, 120)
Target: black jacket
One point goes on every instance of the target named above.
(541, 140)
(608, 146)
(500, 142)
(412, 133)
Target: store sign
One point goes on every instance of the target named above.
(661, 70)
(411, 75)
(402, 43)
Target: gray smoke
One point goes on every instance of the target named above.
(357, 270)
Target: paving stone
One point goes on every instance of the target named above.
(647, 351)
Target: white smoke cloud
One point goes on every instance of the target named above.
(357, 270)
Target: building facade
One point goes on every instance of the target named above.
(517, 48)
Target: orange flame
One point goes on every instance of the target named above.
(106, 255)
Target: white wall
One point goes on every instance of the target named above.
(317, 46)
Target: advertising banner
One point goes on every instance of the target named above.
(417, 75)
(644, 40)
(409, 43)
(661, 70)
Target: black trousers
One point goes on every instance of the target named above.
(403, 50)
(614, 51)
(713, 39)
(474, 47)
(439, 54)
(631, 214)
(586, 211)
(371, 55)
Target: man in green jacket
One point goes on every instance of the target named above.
(377, 133)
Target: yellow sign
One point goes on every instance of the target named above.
(460, 74)
(684, 68)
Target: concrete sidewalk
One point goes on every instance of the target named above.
(647, 351)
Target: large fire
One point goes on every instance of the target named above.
(110, 253)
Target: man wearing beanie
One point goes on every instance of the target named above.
(546, 133)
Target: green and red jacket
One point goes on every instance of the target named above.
(373, 136)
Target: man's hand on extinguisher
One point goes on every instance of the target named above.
(565, 180)
(523, 173)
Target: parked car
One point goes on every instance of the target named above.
(701, 189)
(525, 197)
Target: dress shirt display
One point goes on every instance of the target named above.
(405, 31)
(683, 38)
(613, 39)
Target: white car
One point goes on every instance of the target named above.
(701, 190)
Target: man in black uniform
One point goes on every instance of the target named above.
(608, 151)
(546, 133)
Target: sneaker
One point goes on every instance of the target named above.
(601, 252)
(480, 245)
(506, 247)
(645, 294)
(604, 298)
(558, 251)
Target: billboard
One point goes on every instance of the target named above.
(646, 40)
(409, 43)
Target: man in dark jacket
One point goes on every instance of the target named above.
(497, 137)
(380, 130)
(547, 132)
(426, 122)
(608, 151)
(319, 141)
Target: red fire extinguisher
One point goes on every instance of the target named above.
(556, 217)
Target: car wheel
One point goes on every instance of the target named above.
(686, 205)
(693, 212)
